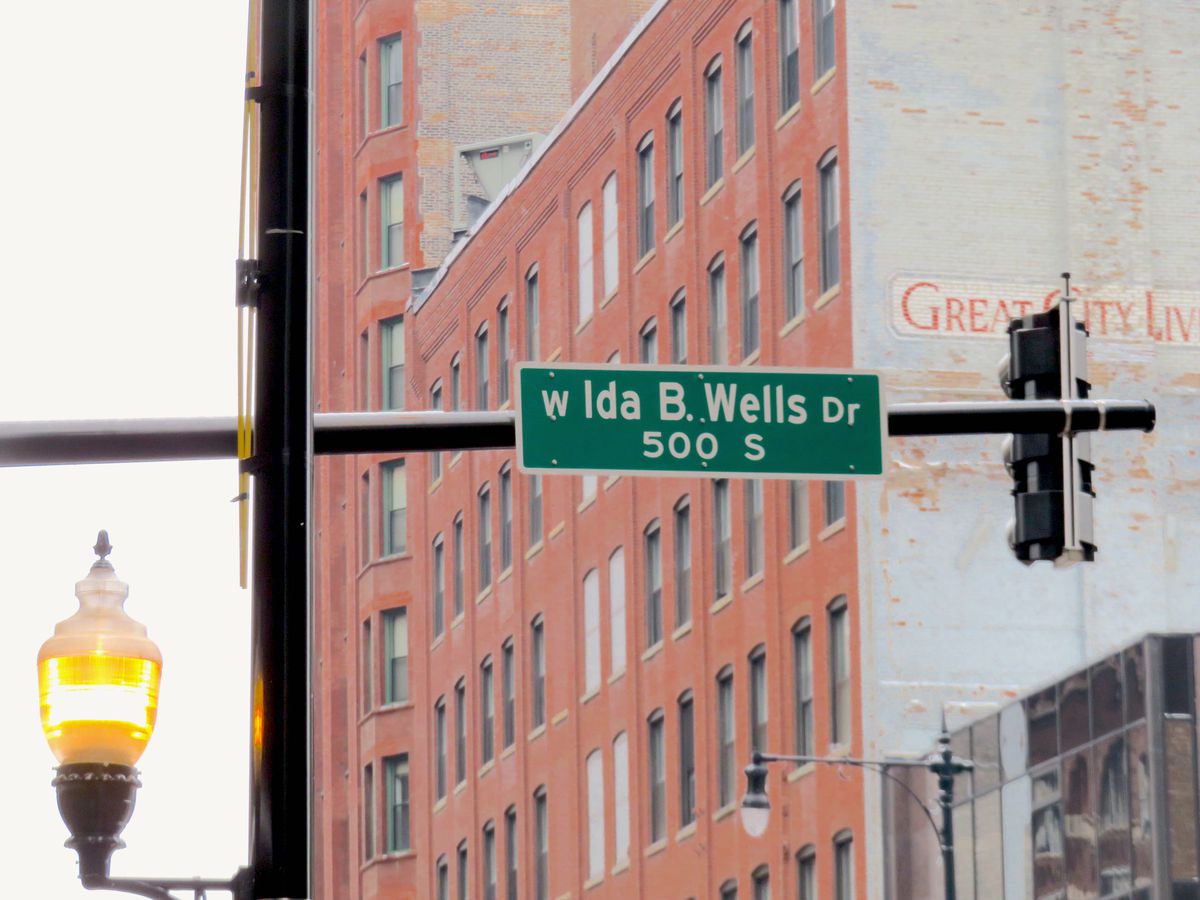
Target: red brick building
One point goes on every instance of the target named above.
(548, 687)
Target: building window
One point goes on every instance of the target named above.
(398, 836)
(611, 247)
(595, 815)
(749, 241)
(439, 586)
(793, 252)
(745, 89)
(758, 700)
(439, 736)
(797, 513)
(481, 367)
(802, 686)
(830, 217)
(835, 502)
(541, 839)
(395, 652)
(839, 672)
(368, 811)
(435, 459)
(675, 164)
(679, 329)
(537, 668)
(391, 71)
(503, 354)
(843, 867)
(645, 229)
(392, 334)
(729, 890)
(658, 778)
(463, 871)
(364, 371)
(726, 759)
(365, 96)
(508, 678)
(364, 231)
(588, 485)
(714, 124)
(443, 879)
(506, 518)
(586, 275)
(456, 382)
(718, 320)
(489, 861)
(510, 853)
(648, 343)
(391, 205)
(653, 547)
(616, 609)
(722, 538)
(621, 797)
(368, 668)
(395, 508)
(460, 572)
(485, 536)
(460, 731)
(806, 873)
(531, 314)
(761, 882)
(789, 55)
(364, 519)
(535, 509)
(487, 711)
(591, 631)
(683, 563)
(823, 39)
(753, 502)
(687, 760)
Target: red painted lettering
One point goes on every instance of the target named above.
(907, 313)
(954, 313)
(977, 305)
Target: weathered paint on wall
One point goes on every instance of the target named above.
(993, 146)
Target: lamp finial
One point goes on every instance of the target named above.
(102, 546)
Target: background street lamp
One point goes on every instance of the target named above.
(98, 678)
(756, 807)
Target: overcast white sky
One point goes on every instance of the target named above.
(118, 222)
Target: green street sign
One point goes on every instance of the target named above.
(699, 420)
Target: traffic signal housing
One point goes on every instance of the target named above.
(1051, 473)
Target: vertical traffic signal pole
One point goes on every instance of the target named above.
(281, 465)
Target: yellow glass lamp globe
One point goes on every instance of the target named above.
(98, 675)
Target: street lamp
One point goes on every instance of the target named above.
(756, 808)
(98, 679)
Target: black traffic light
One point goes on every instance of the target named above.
(1052, 473)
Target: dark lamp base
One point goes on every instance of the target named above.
(96, 803)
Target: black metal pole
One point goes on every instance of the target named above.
(281, 464)
(946, 767)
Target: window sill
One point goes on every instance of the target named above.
(787, 116)
(724, 811)
(589, 696)
(621, 866)
(533, 551)
(753, 581)
(721, 603)
(505, 575)
(434, 485)
(440, 805)
(682, 631)
(483, 595)
(485, 768)
(792, 324)
(611, 480)
(751, 359)
(653, 651)
(823, 80)
(826, 298)
(742, 161)
(559, 717)
(437, 642)
(508, 751)
(830, 530)
(399, 704)
(673, 230)
(608, 298)
(507, 404)
(839, 750)
(585, 503)
(398, 854)
(645, 260)
(616, 676)
(796, 552)
(537, 732)
(460, 787)
(686, 831)
(458, 620)
(558, 529)
(584, 324)
(800, 771)
(593, 882)
(555, 355)
(455, 459)
(657, 847)
(713, 191)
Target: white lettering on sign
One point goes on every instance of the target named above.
(941, 307)
(773, 407)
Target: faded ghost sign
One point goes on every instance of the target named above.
(940, 307)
